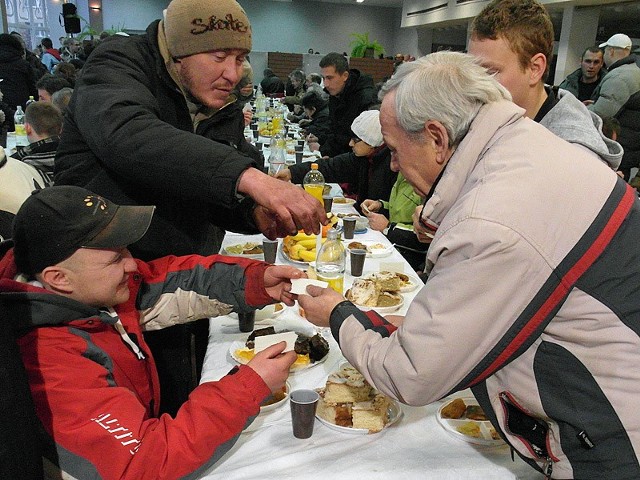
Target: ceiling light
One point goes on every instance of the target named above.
(359, 1)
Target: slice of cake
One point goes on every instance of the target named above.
(347, 386)
(387, 281)
(372, 415)
(363, 292)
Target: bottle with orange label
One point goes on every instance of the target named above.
(313, 182)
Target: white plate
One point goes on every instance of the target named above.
(451, 426)
(346, 201)
(269, 311)
(373, 252)
(294, 368)
(395, 413)
(259, 256)
(279, 403)
(382, 310)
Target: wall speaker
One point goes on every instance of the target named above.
(70, 18)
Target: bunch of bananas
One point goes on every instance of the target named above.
(301, 247)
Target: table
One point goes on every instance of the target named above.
(416, 447)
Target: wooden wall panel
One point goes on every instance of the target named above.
(379, 68)
(283, 64)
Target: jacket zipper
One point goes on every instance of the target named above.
(535, 451)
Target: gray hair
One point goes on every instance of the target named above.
(449, 87)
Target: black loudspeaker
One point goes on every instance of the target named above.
(71, 19)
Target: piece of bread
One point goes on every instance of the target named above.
(455, 409)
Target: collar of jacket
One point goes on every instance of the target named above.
(491, 118)
(631, 58)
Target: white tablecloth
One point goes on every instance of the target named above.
(416, 447)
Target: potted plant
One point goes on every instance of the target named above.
(363, 47)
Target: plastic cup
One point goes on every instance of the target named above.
(301, 143)
(303, 405)
(270, 248)
(256, 134)
(246, 321)
(327, 200)
(259, 145)
(357, 256)
(298, 148)
(348, 227)
(298, 158)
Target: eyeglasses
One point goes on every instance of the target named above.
(355, 140)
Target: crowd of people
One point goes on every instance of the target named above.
(507, 194)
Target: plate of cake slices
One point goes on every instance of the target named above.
(312, 350)
(348, 404)
(379, 291)
(465, 420)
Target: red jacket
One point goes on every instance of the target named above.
(97, 398)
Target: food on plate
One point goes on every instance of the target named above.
(454, 409)
(475, 412)
(341, 200)
(348, 400)
(302, 247)
(371, 248)
(470, 429)
(248, 248)
(369, 292)
(278, 307)
(458, 409)
(309, 349)
(275, 397)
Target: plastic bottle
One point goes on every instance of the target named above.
(330, 261)
(313, 182)
(21, 133)
(30, 101)
(277, 155)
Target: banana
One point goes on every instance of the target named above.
(308, 244)
(303, 236)
(308, 255)
(294, 251)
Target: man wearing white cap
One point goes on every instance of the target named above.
(618, 95)
(366, 168)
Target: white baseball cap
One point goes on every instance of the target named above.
(619, 40)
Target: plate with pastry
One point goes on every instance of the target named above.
(312, 350)
(348, 404)
(374, 249)
(247, 250)
(376, 292)
(465, 420)
(343, 201)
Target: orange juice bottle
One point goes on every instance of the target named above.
(314, 182)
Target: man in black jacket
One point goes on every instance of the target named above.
(351, 93)
(129, 136)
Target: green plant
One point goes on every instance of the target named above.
(361, 44)
(87, 30)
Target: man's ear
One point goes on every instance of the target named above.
(28, 128)
(437, 134)
(57, 279)
(537, 67)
